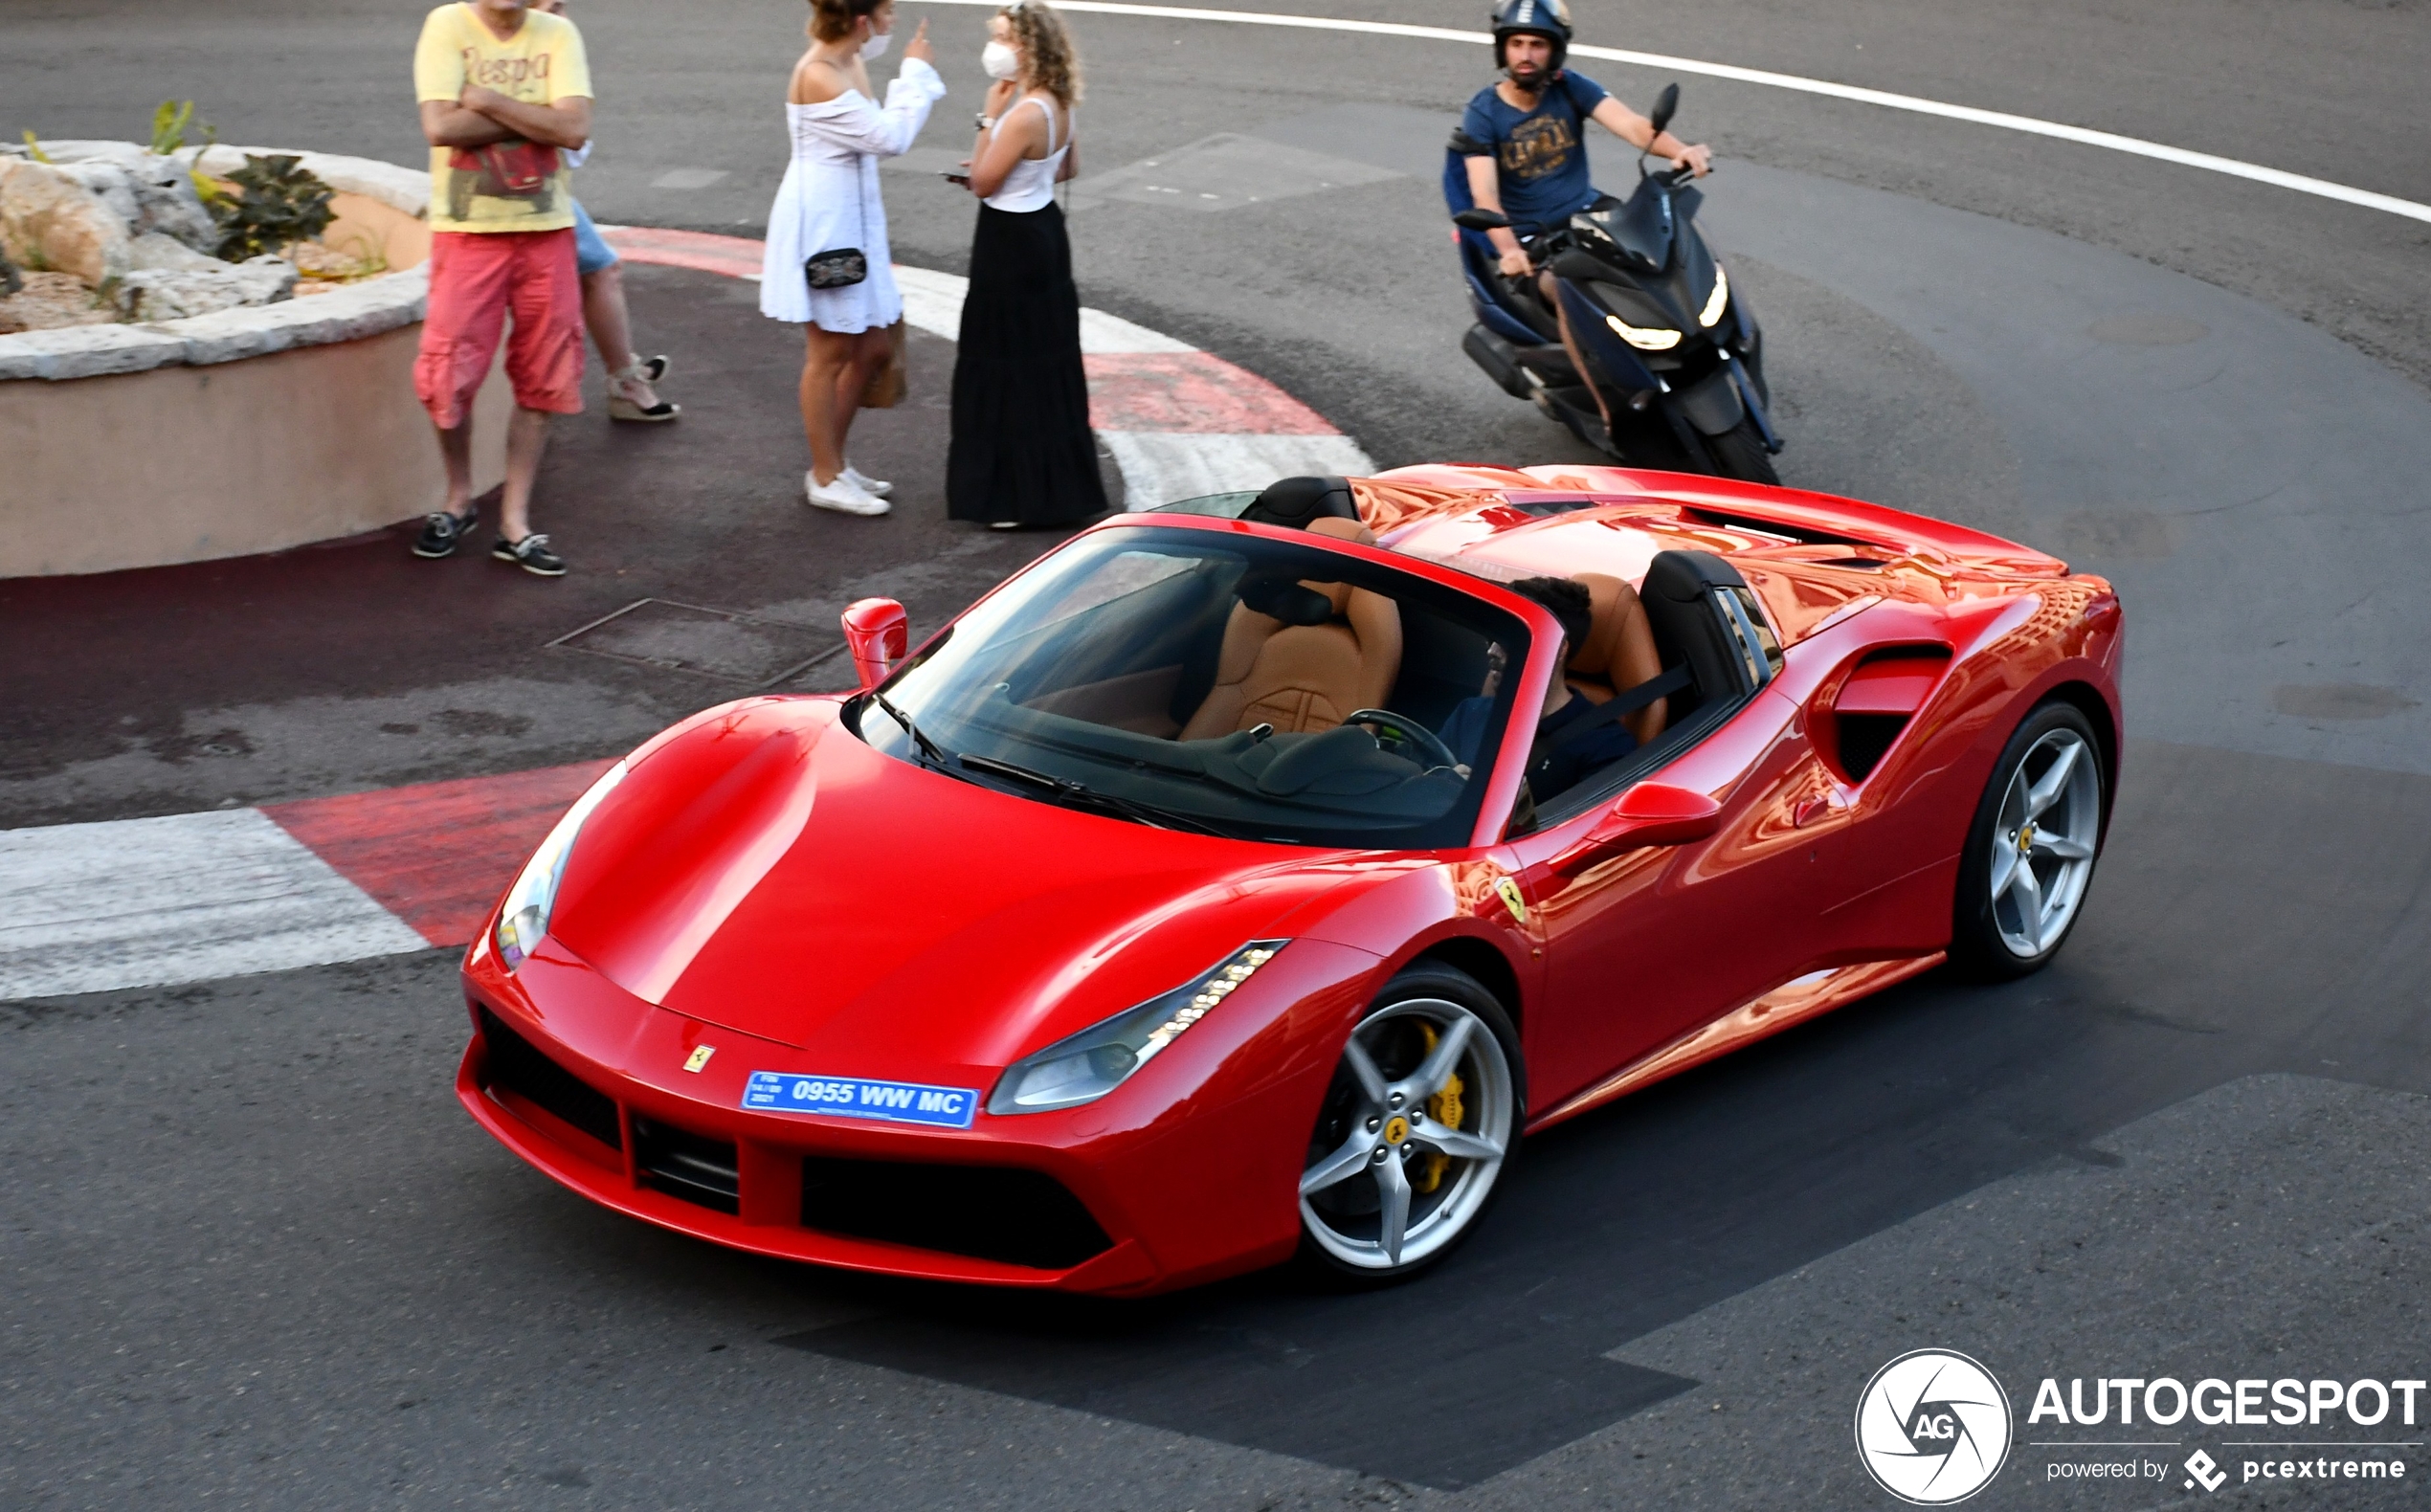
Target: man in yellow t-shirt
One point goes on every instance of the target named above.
(505, 91)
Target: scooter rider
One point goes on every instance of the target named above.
(1524, 139)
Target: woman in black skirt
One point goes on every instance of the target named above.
(1022, 453)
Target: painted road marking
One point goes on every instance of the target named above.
(185, 897)
(437, 854)
(1917, 105)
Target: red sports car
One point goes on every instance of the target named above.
(1245, 879)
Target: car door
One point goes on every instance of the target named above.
(1649, 944)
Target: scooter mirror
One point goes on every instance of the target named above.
(1666, 106)
(1481, 220)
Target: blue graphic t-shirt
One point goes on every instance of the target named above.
(1541, 153)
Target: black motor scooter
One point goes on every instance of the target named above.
(1675, 350)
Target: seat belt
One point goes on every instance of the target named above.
(1627, 702)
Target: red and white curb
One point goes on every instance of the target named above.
(198, 896)
(1179, 421)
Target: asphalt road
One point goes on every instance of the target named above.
(256, 1255)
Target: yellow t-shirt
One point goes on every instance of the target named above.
(512, 185)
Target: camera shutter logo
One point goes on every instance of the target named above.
(1932, 1427)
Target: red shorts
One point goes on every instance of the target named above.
(476, 278)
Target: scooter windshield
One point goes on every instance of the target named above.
(1255, 688)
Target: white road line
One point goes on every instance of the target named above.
(187, 897)
(1161, 466)
(2081, 135)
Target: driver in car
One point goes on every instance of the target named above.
(1524, 139)
(1571, 739)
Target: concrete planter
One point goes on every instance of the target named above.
(244, 430)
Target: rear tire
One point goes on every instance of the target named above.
(2028, 862)
(1739, 451)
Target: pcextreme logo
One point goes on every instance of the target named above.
(1932, 1427)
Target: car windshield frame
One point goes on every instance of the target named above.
(1199, 784)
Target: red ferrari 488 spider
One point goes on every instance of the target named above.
(1247, 877)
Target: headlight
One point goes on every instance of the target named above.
(525, 917)
(1717, 300)
(1645, 338)
(1093, 1062)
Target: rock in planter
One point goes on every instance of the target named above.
(50, 221)
(154, 251)
(151, 194)
(171, 294)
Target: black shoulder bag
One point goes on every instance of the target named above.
(845, 266)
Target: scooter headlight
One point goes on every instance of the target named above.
(1645, 338)
(1718, 300)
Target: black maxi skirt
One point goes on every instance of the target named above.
(1021, 448)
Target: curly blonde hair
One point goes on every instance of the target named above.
(1039, 32)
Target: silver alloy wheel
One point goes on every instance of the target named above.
(1359, 1198)
(2049, 822)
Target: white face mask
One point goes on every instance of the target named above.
(1000, 61)
(875, 46)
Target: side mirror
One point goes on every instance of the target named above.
(1476, 219)
(1649, 814)
(1666, 106)
(879, 635)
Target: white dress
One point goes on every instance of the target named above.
(830, 200)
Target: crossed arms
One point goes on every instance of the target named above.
(481, 116)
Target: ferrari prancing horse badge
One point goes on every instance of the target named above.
(1512, 899)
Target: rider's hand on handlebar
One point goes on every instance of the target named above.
(1698, 160)
(1515, 264)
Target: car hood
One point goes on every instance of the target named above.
(766, 870)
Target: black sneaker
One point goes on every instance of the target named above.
(531, 554)
(441, 532)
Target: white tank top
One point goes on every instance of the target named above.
(1031, 185)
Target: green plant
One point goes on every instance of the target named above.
(168, 134)
(35, 147)
(282, 202)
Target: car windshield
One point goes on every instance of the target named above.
(1219, 681)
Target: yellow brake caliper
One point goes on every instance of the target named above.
(1445, 1107)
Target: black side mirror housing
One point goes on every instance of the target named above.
(1666, 106)
(1474, 219)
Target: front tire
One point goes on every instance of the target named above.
(2030, 853)
(1423, 1117)
(1740, 454)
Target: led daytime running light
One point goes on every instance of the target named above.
(1084, 1067)
(1718, 300)
(1645, 338)
(1212, 991)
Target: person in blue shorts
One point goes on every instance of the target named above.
(631, 379)
(1524, 139)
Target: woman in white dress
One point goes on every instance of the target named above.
(828, 204)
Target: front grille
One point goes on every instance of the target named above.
(513, 1064)
(683, 1164)
(990, 1212)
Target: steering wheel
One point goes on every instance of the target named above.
(1409, 732)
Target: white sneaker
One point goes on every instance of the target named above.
(875, 487)
(843, 496)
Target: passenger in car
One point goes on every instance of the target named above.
(1572, 737)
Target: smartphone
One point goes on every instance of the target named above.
(963, 179)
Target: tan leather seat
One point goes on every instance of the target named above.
(1303, 677)
(1619, 652)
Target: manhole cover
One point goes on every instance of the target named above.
(711, 643)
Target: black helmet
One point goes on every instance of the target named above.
(1549, 20)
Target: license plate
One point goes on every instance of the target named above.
(859, 1097)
